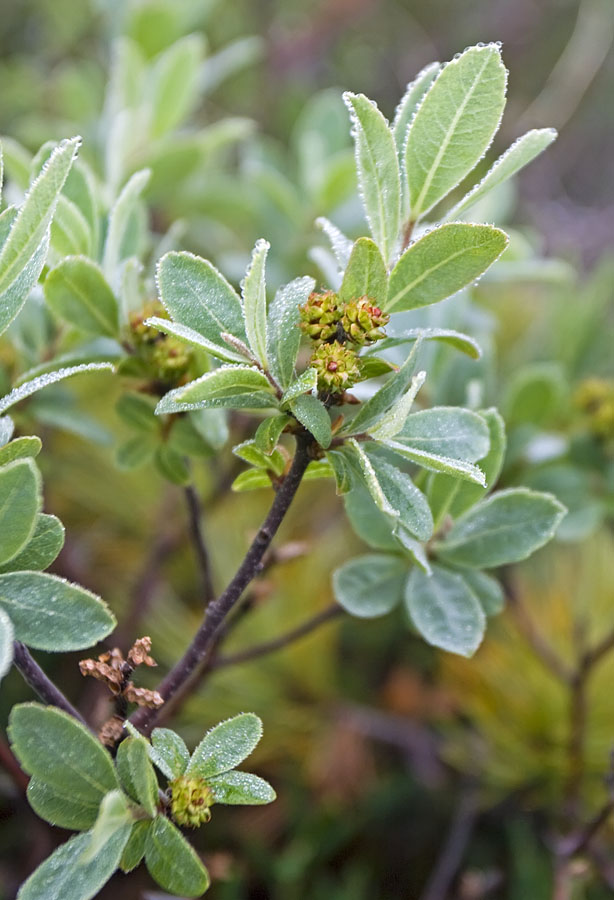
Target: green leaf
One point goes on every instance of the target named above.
(252, 480)
(369, 523)
(136, 451)
(134, 851)
(535, 394)
(370, 585)
(442, 262)
(172, 465)
(284, 334)
(269, 431)
(253, 291)
(23, 254)
(198, 296)
(41, 549)
(447, 431)
(172, 862)
(114, 817)
(238, 387)
(456, 339)
(61, 807)
(466, 494)
(226, 746)
(454, 125)
(6, 643)
(138, 411)
(136, 773)
(365, 275)
(241, 788)
(416, 550)
(58, 750)
(312, 413)
(70, 230)
(52, 614)
(36, 384)
(377, 168)
(194, 339)
(64, 876)
(487, 590)
(411, 100)
(249, 452)
(344, 472)
(76, 291)
(521, 153)
(505, 528)
(445, 611)
(120, 219)
(20, 502)
(306, 383)
(340, 244)
(21, 448)
(174, 83)
(169, 752)
(393, 421)
(435, 463)
(6, 430)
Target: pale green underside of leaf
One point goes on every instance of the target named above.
(36, 384)
(41, 549)
(254, 302)
(76, 291)
(463, 342)
(283, 332)
(238, 387)
(20, 503)
(447, 431)
(194, 339)
(370, 585)
(436, 463)
(445, 611)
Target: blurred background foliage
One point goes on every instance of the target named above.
(401, 772)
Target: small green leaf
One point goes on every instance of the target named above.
(445, 611)
(252, 480)
(377, 168)
(442, 262)
(24, 251)
(344, 472)
(120, 219)
(134, 851)
(505, 528)
(52, 614)
(456, 339)
(169, 752)
(447, 431)
(138, 411)
(254, 303)
(241, 788)
(194, 339)
(76, 291)
(42, 548)
(535, 394)
(174, 83)
(269, 431)
(365, 275)
(435, 463)
(284, 334)
(27, 388)
(312, 413)
(226, 746)
(64, 876)
(454, 125)
(20, 502)
(21, 448)
(136, 773)
(394, 420)
(237, 387)
(114, 818)
(6, 643)
(172, 862)
(370, 585)
(60, 751)
(6, 430)
(411, 100)
(521, 153)
(487, 590)
(339, 243)
(306, 383)
(136, 451)
(198, 296)
(172, 465)
(61, 808)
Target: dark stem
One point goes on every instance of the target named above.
(233, 659)
(198, 541)
(218, 610)
(454, 847)
(40, 683)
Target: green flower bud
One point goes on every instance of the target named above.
(362, 321)
(191, 798)
(320, 315)
(337, 367)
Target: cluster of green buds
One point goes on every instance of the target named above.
(595, 397)
(339, 328)
(167, 358)
(191, 799)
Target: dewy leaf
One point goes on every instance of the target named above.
(6, 430)
(26, 447)
(445, 611)
(343, 470)
(61, 808)
(284, 334)
(42, 548)
(370, 585)
(394, 420)
(136, 773)
(467, 494)
(36, 384)
(487, 590)
(447, 431)
(521, 153)
(198, 296)
(119, 223)
(238, 387)
(410, 102)
(134, 851)
(340, 244)
(505, 528)
(169, 752)
(172, 862)
(410, 506)
(23, 254)
(226, 746)
(312, 413)
(194, 339)
(241, 788)
(20, 503)
(58, 750)
(435, 463)
(6, 643)
(113, 818)
(76, 291)
(63, 875)
(269, 431)
(377, 168)
(365, 274)
(454, 125)
(457, 339)
(442, 262)
(370, 524)
(52, 614)
(254, 302)
(306, 383)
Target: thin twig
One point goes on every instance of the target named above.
(40, 683)
(198, 541)
(543, 650)
(217, 611)
(454, 846)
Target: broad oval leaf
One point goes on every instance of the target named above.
(312, 413)
(52, 614)
(168, 752)
(45, 543)
(447, 431)
(454, 125)
(487, 590)
(441, 263)
(459, 468)
(241, 788)
(172, 861)
(21, 448)
(445, 610)
(269, 431)
(370, 585)
(61, 807)
(226, 746)
(76, 291)
(20, 502)
(365, 274)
